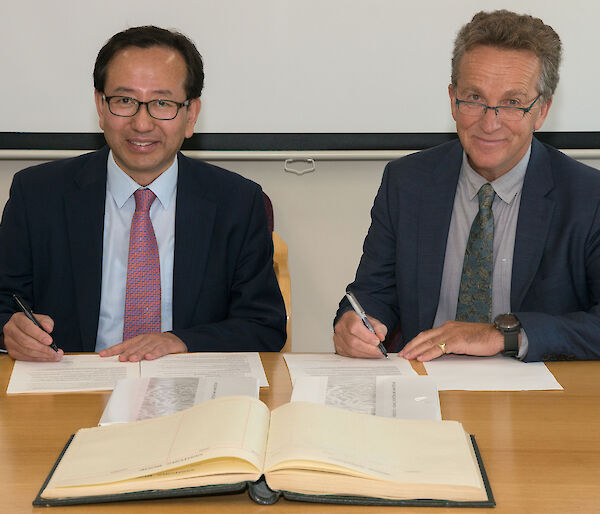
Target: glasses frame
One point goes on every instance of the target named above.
(139, 103)
(503, 108)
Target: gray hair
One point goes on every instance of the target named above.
(512, 31)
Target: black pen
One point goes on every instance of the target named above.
(363, 316)
(27, 311)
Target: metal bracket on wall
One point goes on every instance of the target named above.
(309, 166)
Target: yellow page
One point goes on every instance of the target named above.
(233, 426)
(407, 451)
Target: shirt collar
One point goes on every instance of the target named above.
(506, 187)
(121, 186)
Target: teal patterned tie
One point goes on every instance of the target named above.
(475, 293)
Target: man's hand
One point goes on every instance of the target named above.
(26, 342)
(353, 339)
(146, 346)
(457, 337)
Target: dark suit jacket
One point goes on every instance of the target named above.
(555, 289)
(225, 293)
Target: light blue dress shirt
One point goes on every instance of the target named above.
(119, 209)
(506, 213)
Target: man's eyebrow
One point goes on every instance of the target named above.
(123, 89)
(516, 92)
(470, 89)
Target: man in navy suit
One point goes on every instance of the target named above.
(65, 232)
(489, 244)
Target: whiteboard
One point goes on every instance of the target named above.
(279, 66)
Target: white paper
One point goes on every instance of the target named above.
(204, 364)
(497, 373)
(330, 364)
(406, 397)
(90, 372)
(143, 398)
(73, 373)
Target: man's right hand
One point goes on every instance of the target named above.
(353, 339)
(24, 341)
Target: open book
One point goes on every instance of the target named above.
(312, 452)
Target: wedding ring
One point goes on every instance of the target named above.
(442, 347)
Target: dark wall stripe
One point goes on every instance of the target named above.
(282, 141)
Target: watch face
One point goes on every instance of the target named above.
(506, 322)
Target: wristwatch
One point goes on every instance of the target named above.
(510, 326)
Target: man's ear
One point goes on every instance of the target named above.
(543, 114)
(193, 110)
(452, 94)
(99, 99)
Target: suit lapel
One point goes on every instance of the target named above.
(194, 223)
(84, 208)
(435, 213)
(535, 217)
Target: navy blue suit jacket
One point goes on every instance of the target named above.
(225, 293)
(555, 288)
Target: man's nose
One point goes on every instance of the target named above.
(142, 121)
(490, 120)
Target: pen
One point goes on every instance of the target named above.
(27, 311)
(361, 312)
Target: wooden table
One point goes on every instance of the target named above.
(541, 449)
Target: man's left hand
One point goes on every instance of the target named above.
(146, 346)
(455, 337)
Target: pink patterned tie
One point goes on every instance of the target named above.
(142, 295)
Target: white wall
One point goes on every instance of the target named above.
(283, 65)
(323, 217)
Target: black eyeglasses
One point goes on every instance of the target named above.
(504, 112)
(126, 107)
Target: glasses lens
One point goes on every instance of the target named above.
(510, 113)
(122, 105)
(471, 108)
(162, 109)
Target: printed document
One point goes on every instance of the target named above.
(497, 373)
(90, 372)
(333, 365)
(405, 397)
(134, 399)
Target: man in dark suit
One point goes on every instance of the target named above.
(135, 249)
(489, 244)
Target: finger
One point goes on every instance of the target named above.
(426, 337)
(358, 330)
(28, 349)
(27, 327)
(354, 347)
(380, 328)
(113, 350)
(46, 321)
(432, 353)
(168, 343)
(21, 346)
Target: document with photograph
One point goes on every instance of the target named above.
(90, 372)
(408, 397)
(134, 399)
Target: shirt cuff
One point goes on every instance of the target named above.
(524, 346)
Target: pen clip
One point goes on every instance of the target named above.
(355, 305)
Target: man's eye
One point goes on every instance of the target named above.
(474, 97)
(163, 103)
(125, 100)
